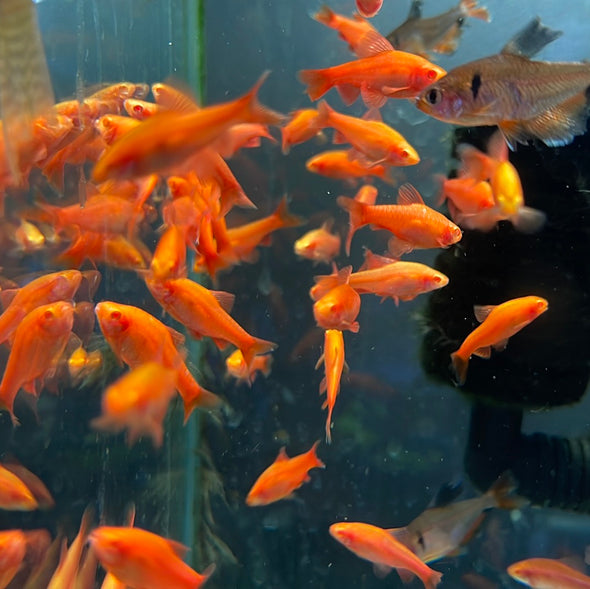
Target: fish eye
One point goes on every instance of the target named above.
(48, 315)
(116, 315)
(138, 108)
(431, 74)
(434, 96)
(405, 153)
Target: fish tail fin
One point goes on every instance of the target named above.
(323, 285)
(357, 218)
(470, 8)
(325, 15)
(258, 347)
(285, 217)
(317, 463)
(439, 179)
(193, 394)
(317, 82)
(459, 367)
(432, 580)
(329, 426)
(258, 113)
(501, 492)
(529, 220)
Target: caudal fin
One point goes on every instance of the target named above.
(257, 348)
(433, 580)
(501, 492)
(317, 82)
(326, 16)
(470, 8)
(259, 113)
(460, 365)
(285, 217)
(356, 211)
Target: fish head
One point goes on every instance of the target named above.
(56, 318)
(442, 101)
(112, 318)
(537, 306)
(451, 234)
(66, 284)
(427, 74)
(344, 533)
(403, 155)
(106, 542)
(435, 280)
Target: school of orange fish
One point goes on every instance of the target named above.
(165, 161)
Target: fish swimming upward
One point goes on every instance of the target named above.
(440, 33)
(526, 99)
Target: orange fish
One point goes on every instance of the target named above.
(14, 494)
(140, 109)
(373, 141)
(283, 476)
(334, 362)
(240, 136)
(33, 483)
(205, 313)
(336, 164)
(368, 8)
(498, 324)
(236, 366)
(138, 402)
(379, 547)
(67, 569)
(385, 277)
(13, 547)
(139, 558)
(352, 30)
(136, 337)
(340, 306)
(304, 125)
(112, 127)
(319, 245)
(467, 195)
(413, 224)
(46, 289)
(39, 341)
(385, 74)
(168, 138)
(548, 573)
(169, 260)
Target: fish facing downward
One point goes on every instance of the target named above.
(385, 552)
(498, 324)
(526, 99)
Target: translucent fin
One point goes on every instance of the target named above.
(481, 312)
(531, 39)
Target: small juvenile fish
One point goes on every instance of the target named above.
(236, 366)
(336, 164)
(498, 324)
(283, 476)
(318, 245)
(547, 573)
(303, 125)
(379, 547)
(340, 306)
(526, 99)
(439, 33)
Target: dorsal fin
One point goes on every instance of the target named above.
(373, 114)
(282, 455)
(373, 261)
(481, 312)
(225, 299)
(408, 195)
(415, 10)
(372, 43)
(177, 547)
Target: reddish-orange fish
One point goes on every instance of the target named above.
(205, 313)
(319, 245)
(385, 552)
(498, 324)
(14, 494)
(304, 125)
(334, 362)
(373, 141)
(548, 573)
(466, 194)
(385, 277)
(336, 164)
(136, 337)
(33, 482)
(139, 558)
(283, 476)
(169, 260)
(236, 366)
(413, 224)
(46, 289)
(352, 30)
(138, 402)
(39, 341)
(382, 75)
(339, 307)
(167, 139)
(13, 547)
